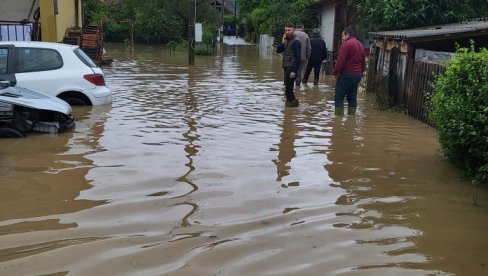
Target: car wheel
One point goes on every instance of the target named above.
(73, 101)
(8, 132)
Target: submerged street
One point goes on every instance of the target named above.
(203, 171)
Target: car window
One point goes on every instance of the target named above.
(3, 60)
(37, 59)
(85, 58)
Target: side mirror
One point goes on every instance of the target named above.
(6, 83)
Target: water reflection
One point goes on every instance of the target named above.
(286, 147)
(43, 176)
(191, 149)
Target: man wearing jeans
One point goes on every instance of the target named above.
(306, 48)
(351, 64)
(291, 49)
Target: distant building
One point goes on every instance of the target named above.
(227, 6)
(334, 16)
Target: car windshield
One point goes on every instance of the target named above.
(84, 58)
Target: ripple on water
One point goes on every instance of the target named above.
(202, 171)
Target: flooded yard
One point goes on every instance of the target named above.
(203, 171)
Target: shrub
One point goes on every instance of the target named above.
(204, 49)
(459, 111)
(207, 46)
(179, 47)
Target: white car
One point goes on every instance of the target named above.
(56, 69)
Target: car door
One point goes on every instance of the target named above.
(38, 69)
(7, 63)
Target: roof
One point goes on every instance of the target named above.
(229, 6)
(17, 10)
(462, 29)
(320, 4)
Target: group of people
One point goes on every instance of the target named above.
(298, 50)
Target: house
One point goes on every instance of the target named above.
(45, 20)
(402, 62)
(224, 7)
(227, 5)
(334, 16)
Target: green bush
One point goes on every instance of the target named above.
(459, 111)
(179, 47)
(203, 49)
(207, 46)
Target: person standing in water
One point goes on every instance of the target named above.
(304, 39)
(351, 63)
(317, 56)
(291, 49)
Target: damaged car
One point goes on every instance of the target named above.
(24, 110)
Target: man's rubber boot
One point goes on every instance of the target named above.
(316, 82)
(293, 103)
(304, 81)
(339, 111)
(351, 111)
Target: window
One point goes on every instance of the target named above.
(37, 59)
(84, 58)
(3, 60)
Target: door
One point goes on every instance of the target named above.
(39, 69)
(7, 63)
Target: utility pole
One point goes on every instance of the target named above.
(191, 31)
(222, 21)
(236, 27)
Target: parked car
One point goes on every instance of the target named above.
(56, 69)
(24, 110)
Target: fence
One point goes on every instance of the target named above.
(266, 42)
(13, 31)
(418, 87)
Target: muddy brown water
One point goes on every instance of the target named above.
(202, 171)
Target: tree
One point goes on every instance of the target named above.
(270, 16)
(159, 21)
(384, 15)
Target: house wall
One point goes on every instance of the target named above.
(384, 69)
(54, 24)
(327, 22)
(66, 17)
(48, 20)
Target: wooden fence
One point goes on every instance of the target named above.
(419, 86)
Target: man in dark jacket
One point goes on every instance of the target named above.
(350, 65)
(291, 49)
(318, 54)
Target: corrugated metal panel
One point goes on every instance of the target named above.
(468, 27)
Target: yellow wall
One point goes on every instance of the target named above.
(54, 26)
(48, 20)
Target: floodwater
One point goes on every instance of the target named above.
(202, 171)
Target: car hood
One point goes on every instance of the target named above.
(29, 98)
